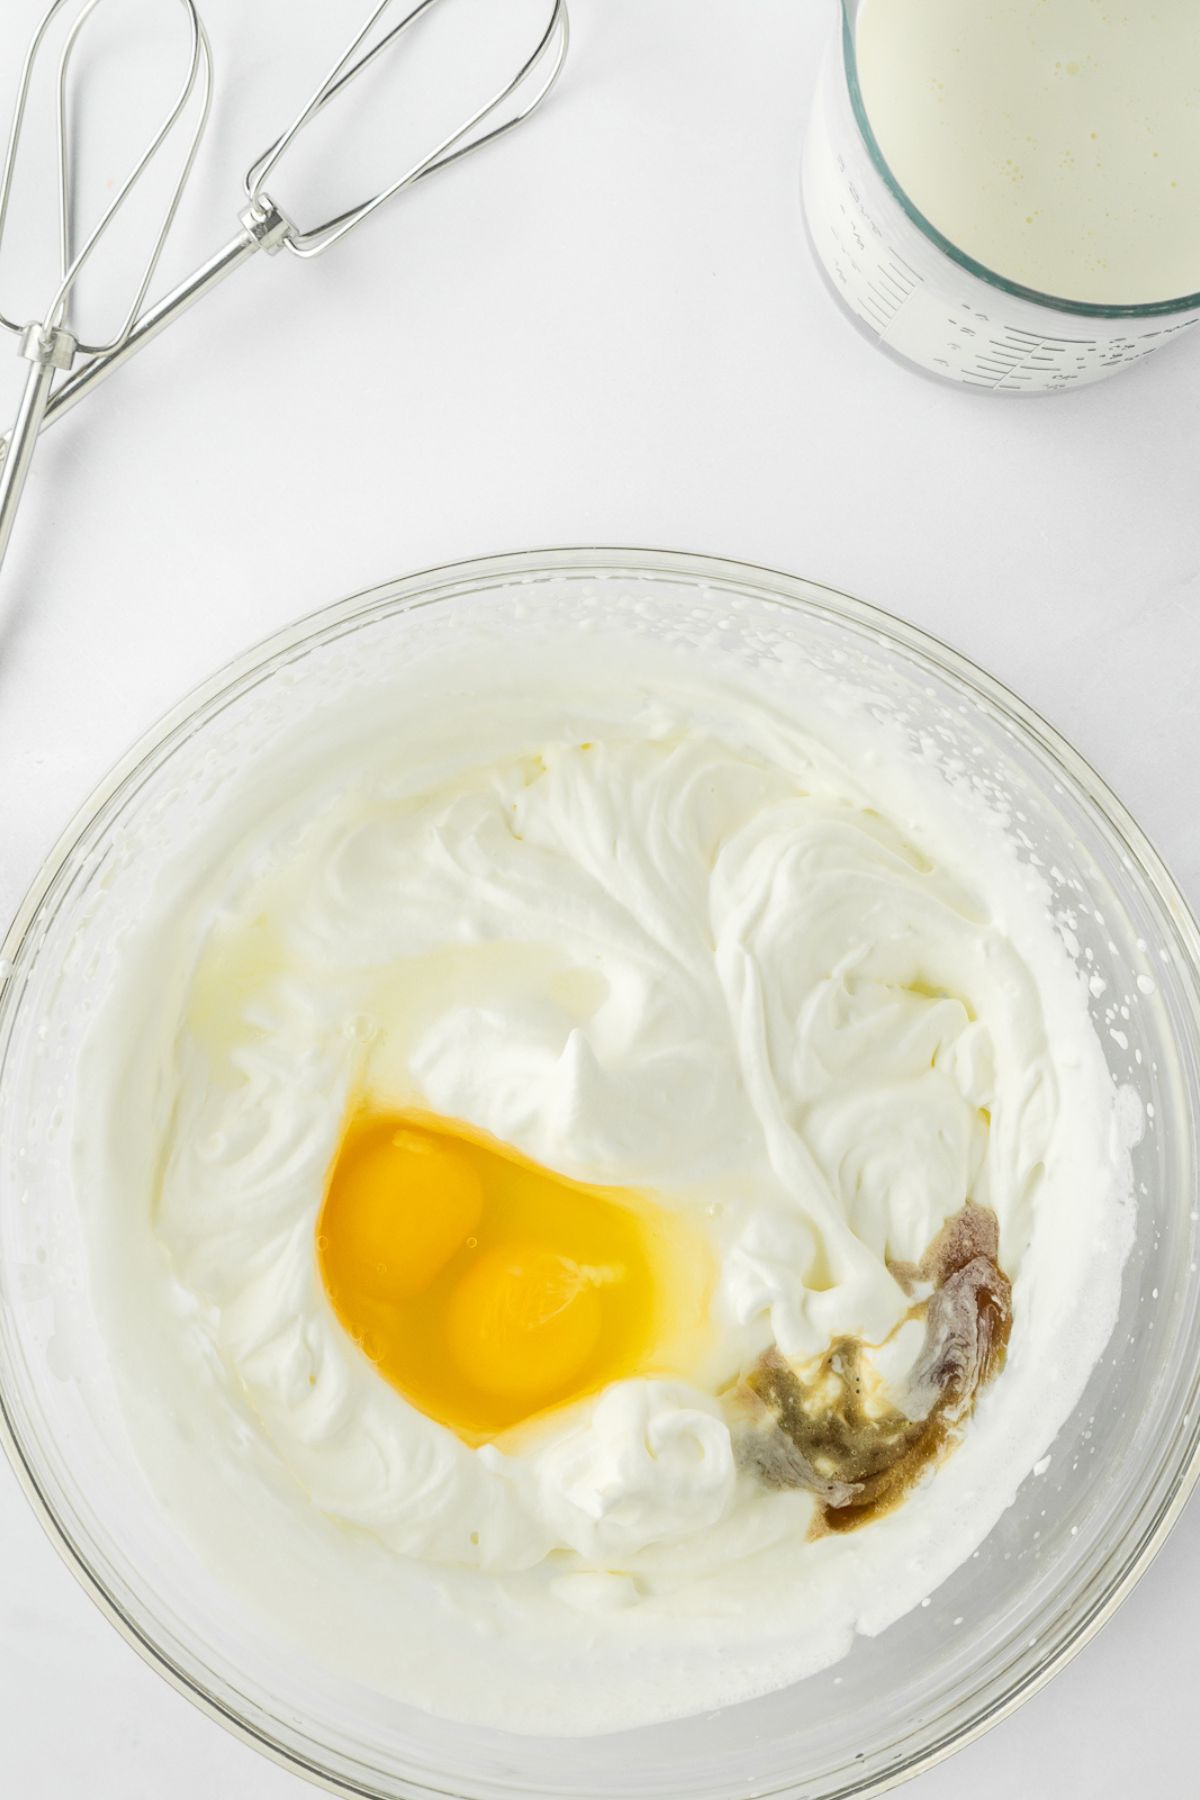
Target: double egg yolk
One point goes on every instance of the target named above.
(488, 1289)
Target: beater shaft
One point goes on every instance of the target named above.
(47, 349)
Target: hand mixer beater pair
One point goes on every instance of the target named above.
(53, 345)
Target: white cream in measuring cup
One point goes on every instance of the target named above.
(1009, 193)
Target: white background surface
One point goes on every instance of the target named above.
(607, 330)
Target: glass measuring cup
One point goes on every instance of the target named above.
(922, 298)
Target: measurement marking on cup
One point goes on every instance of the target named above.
(1043, 339)
(897, 263)
(891, 306)
(890, 288)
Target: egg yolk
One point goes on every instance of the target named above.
(488, 1289)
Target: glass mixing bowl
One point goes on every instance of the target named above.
(1062, 1556)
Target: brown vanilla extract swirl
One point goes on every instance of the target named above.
(816, 1432)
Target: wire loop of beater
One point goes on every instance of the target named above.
(72, 260)
(50, 345)
(550, 49)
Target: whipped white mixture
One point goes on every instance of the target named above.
(656, 921)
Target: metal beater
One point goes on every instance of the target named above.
(50, 344)
(262, 225)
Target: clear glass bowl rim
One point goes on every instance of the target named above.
(1150, 309)
(426, 586)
